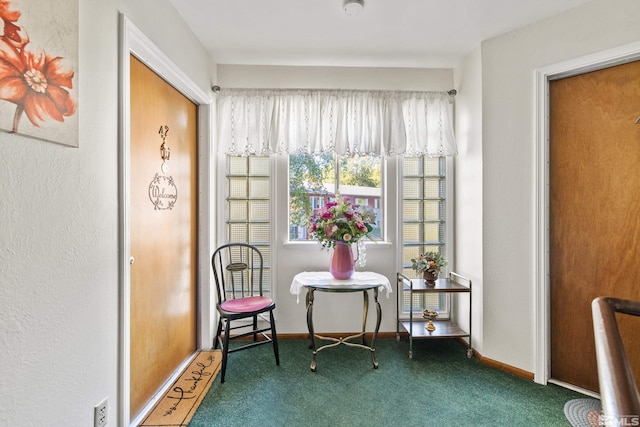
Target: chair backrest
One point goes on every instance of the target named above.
(237, 271)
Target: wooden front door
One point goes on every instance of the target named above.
(594, 213)
(163, 233)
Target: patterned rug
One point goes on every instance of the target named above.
(583, 412)
(178, 404)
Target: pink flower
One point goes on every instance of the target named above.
(326, 215)
(312, 227)
(339, 221)
(35, 83)
(330, 230)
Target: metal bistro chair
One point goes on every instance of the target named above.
(238, 272)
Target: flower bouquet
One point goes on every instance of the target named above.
(340, 221)
(337, 226)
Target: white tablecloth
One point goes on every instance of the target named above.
(325, 278)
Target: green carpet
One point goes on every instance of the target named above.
(439, 387)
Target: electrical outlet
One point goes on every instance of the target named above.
(100, 414)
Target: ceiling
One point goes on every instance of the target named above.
(388, 33)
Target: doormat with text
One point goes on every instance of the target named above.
(178, 404)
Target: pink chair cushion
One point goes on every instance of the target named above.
(247, 304)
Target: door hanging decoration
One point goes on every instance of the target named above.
(163, 192)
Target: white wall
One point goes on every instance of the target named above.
(58, 234)
(333, 313)
(508, 64)
(468, 190)
(59, 205)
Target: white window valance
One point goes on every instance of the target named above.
(348, 122)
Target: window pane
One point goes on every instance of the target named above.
(266, 281)
(434, 188)
(411, 210)
(237, 210)
(266, 254)
(411, 233)
(433, 166)
(433, 210)
(259, 166)
(237, 188)
(259, 188)
(423, 221)
(248, 206)
(360, 181)
(259, 233)
(236, 165)
(259, 210)
(237, 233)
(409, 252)
(412, 166)
(312, 183)
(412, 188)
(434, 232)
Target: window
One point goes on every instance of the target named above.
(317, 202)
(424, 221)
(314, 180)
(247, 213)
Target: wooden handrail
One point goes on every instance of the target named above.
(618, 390)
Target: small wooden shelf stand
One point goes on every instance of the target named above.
(416, 326)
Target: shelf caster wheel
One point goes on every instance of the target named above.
(469, 353)
(411, 355)
(398, 337)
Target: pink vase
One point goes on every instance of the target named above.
(342, 261)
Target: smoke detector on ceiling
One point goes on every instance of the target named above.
(353, 7)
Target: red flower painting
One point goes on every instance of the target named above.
(37, 83)
(6, 14)
(12, 32)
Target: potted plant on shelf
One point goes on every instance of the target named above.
(429, 265)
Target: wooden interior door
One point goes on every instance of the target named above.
(163, 234)
(594, 213)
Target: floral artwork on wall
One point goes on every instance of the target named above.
(38, 69)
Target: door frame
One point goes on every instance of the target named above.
(134, 42)
(542, 77)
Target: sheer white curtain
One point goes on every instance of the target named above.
(348, 122)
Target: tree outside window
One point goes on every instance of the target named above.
(315, 177)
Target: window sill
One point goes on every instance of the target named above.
(312, 245)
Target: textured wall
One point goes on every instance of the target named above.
(468, 189)
(58, 235)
